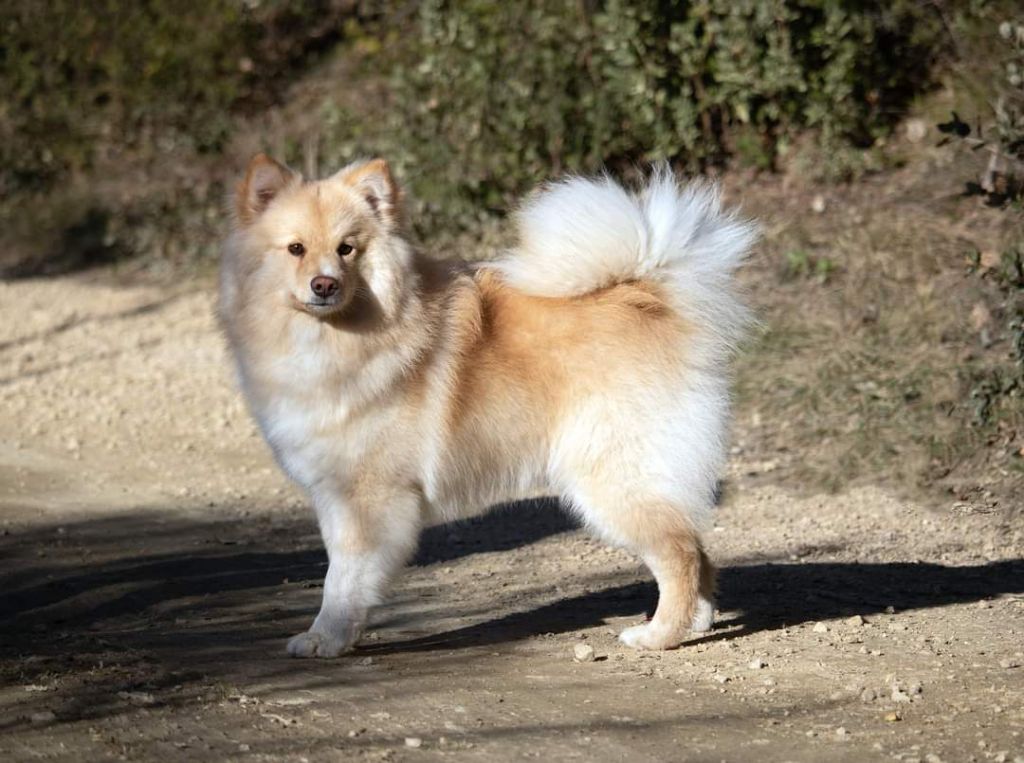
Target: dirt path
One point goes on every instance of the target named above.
(153, 562)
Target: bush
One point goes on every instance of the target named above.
(1009, 114)
(114, 114)
(997, 386)
(504, 94)
(81, 78)
(78, 74)
(474, 100)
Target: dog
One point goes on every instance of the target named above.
(399, 390)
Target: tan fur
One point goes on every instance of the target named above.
(519, 360)
(432, 390)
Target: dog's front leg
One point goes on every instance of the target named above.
(367, 545)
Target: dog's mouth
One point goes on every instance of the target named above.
(319, 306)
(323, 304)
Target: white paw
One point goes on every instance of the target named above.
(316, 644)
(703, 616)
(650, 636)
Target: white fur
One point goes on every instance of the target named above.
(645, 438)
(583, 234)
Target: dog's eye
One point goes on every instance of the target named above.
(297, 249)
(344, 249)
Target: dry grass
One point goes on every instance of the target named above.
(874, 332)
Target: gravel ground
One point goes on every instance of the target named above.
(153, 562)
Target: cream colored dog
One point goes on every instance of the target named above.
(589, 363)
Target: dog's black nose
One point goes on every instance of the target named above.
(324, 286)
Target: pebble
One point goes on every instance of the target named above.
(414, 742)
(868, 695)
(757, 663)
(1009, 663)
(141, 698)
(842, 733)
(855, 620)
(893, 717)
(820, 627)
(818, 204)
(44, 716)
(244, 747)
(917, 130)
(583, 653)
(898, 695)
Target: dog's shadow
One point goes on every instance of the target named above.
(763, 597)
(189, 562)
(502, 529)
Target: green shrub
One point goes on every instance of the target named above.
(109, 108)
(479, 100)
(504, 94)
(79, 74)
(997, 383)
(107, 76)
(1009, 109)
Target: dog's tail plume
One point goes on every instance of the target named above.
(579, 235)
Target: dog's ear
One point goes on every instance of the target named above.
(263, 180)
(374, 181)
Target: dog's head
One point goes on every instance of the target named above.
(321, 245)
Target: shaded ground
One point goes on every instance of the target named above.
(153, 563)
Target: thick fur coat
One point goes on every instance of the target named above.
(590, 363)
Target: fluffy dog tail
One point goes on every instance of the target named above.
(580, 235)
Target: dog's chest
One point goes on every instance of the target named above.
(300, 434)
(315, 414)
(298, 399)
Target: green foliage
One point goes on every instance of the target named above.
(474, 101)
(997, 384)
(84, 80)
(114, 113)
(799, 263)
(997, 389)
(999, 137)
(77, 75)
(505, 94)
(1009, 108)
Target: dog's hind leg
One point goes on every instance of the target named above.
(704, 616)
(368, 536)
(663, 536)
